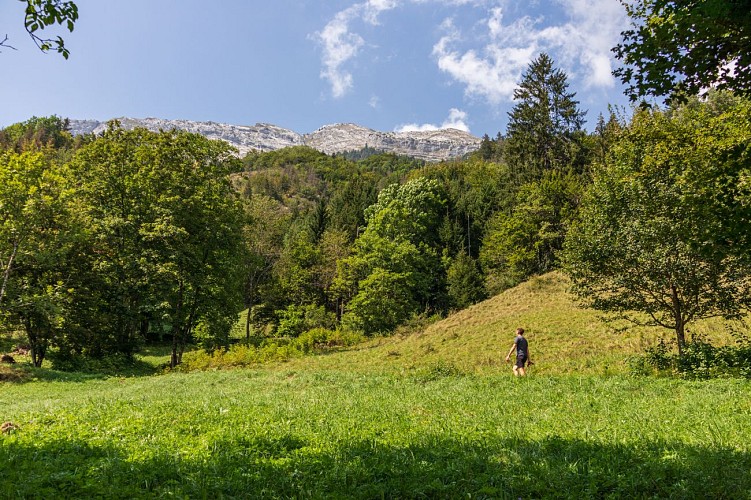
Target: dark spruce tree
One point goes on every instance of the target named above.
(545, 126)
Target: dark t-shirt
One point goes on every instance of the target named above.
(521, 346)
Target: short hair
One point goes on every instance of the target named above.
(520, 331)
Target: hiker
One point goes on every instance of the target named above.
(522, 353)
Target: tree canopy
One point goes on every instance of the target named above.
(543, 125)
(678, 47)
(655, 235)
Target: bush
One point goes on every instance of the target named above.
(270, 350)
(700, 359)
(294, 320)
(112, 364)
(436, 371)
(659, 356)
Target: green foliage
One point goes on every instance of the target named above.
(699, 359)
(475, 190)
(348, 204)
(271, 350)
(676, 48)
(661, 228)
(36, 134)
(360, 154)
(392, 271)
(114, 364)
(464, 281)
(39, 234)
(490, 149)
(409, 211)
(295, 319)
(263, 235)
(383, 301)
(528, 241)
(164, 225)
(301, 178)
(296, 266)
(544, 129)
(296, 176)
(41, 14)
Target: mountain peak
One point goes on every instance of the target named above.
(434, 145)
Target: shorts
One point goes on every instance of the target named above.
(520, 361)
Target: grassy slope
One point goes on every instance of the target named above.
(564, 338)
(332, 426)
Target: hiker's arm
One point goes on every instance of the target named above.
(512, 350)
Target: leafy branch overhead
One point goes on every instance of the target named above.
(41, 14)
(682, 47)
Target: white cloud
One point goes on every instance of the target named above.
(595, 28)
(374, 102)
(457, 119)
(490, 66)
(493, 74)
(340, 44)
(581, 45)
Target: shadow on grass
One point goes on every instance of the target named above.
(24, 372)
(436, 468)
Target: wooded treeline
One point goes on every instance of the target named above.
(112, 242)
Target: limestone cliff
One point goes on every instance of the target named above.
(434, 145)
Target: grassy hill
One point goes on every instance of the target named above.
(564, 337)
(393, 418)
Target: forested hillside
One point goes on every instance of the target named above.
(114, 242)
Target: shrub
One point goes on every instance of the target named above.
(270, 350)
(436, 371)
(700, 359)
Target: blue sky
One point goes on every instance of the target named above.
(302, 64)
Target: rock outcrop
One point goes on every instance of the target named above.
(434, 145)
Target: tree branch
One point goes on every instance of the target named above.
(4, 44)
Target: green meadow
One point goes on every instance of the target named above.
(431, 413)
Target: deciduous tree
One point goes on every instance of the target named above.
(37, 234)
(680, 47)
(399, 248)
(663, 229)
(167, 230)
(41, 14)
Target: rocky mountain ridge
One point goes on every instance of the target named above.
(436, 145)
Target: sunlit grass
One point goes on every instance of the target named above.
(432, 412)
(287, 433)
(564, 338)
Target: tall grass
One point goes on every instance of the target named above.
(563, 337)
(428, 413)
(271, 434)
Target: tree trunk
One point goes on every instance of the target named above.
(37, 347)
(681, 337)
(251, 299)
(680, 322)
(6, 273)
(176, 329)
(188, 327)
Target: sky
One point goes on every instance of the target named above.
(389, 65)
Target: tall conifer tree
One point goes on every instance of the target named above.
(545, 123)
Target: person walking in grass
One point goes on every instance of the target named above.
(522, 353)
